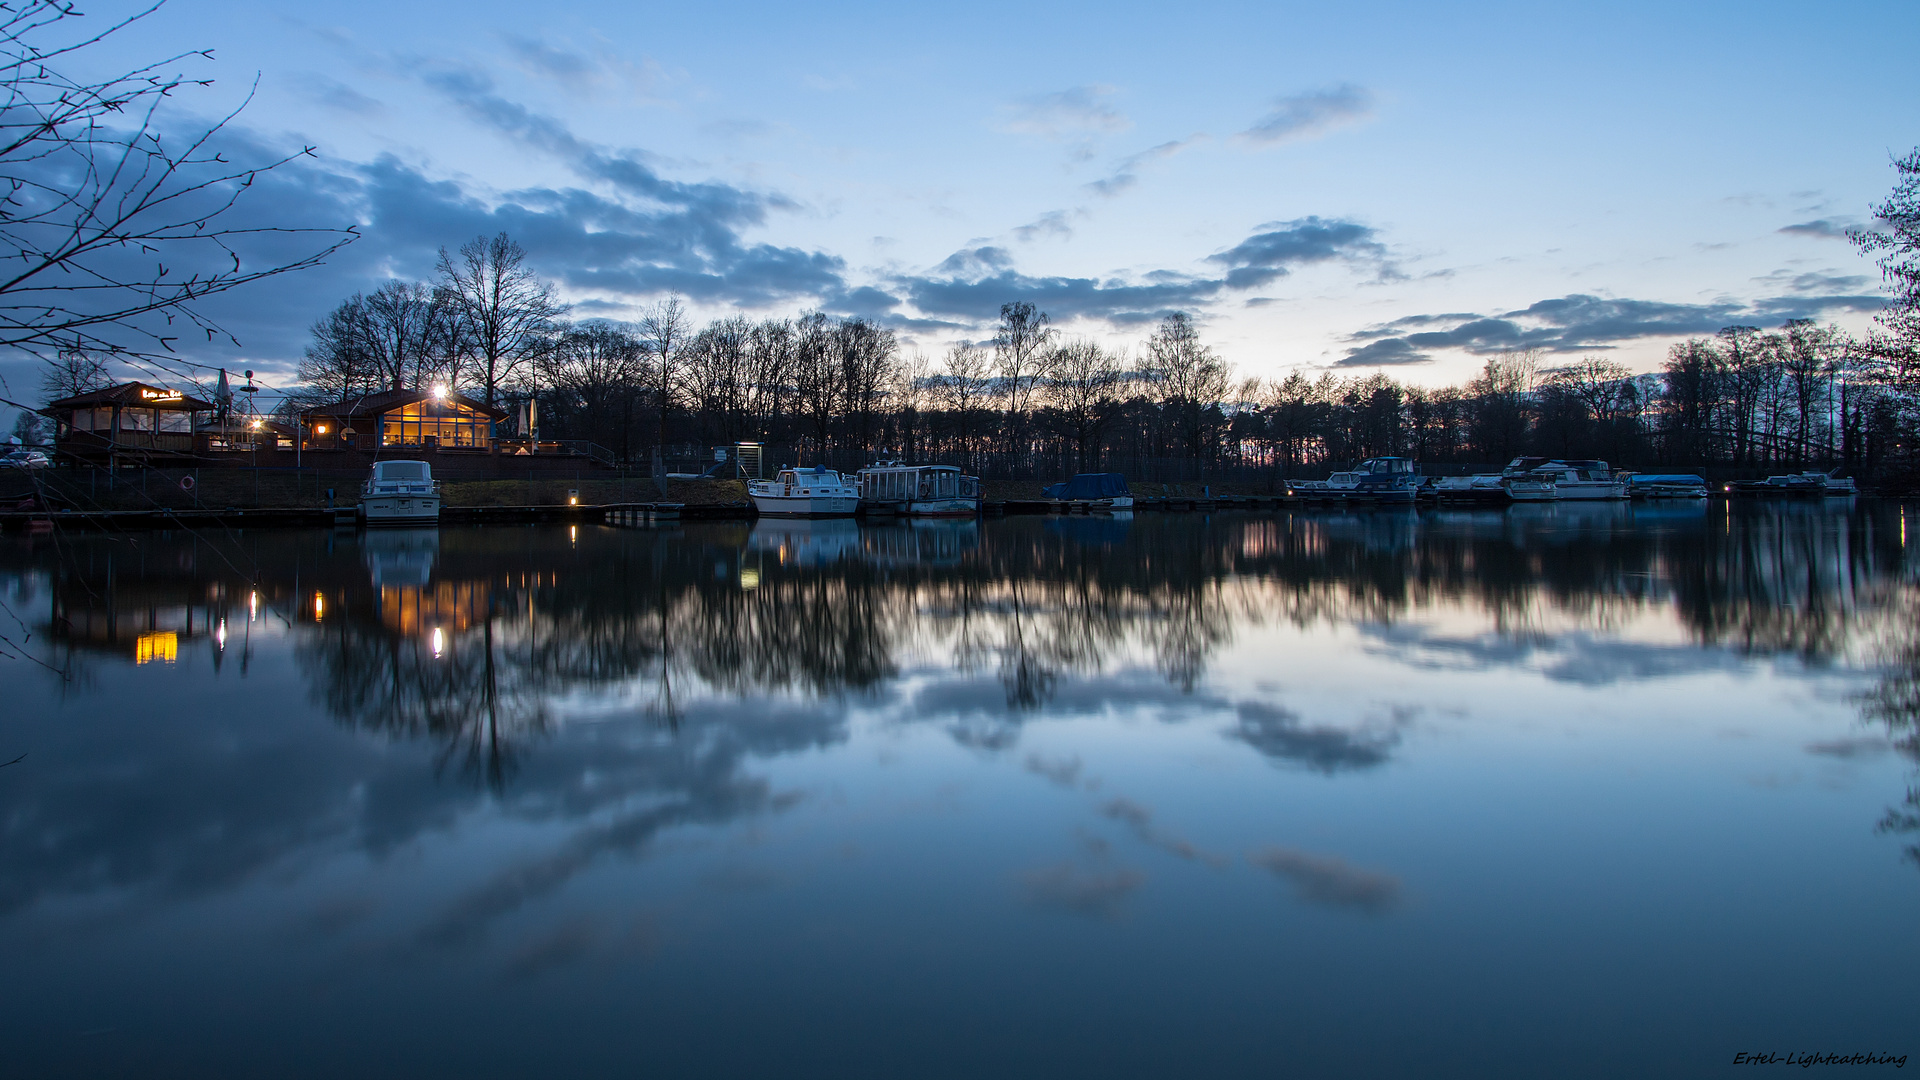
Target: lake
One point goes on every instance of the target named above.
(1563, 790)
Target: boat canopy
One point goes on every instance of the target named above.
(1088, 485)
(400, 470)
(1645, 479)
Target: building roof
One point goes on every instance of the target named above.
(144, 395)
(388, 400)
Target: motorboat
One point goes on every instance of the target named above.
(1667, 486)
(805, 493)
(922, 491)
(1386, 480)
(1338, 486)
(400, 493)
(1812, 485)
(1577, 479)
(1481, 488)
(1090, 492)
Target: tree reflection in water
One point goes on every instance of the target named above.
(474, 638)
(1895, 702)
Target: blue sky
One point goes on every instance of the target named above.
(1397, 186)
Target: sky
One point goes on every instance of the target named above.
(1374, 186)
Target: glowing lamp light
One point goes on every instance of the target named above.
(253, 606)
(573, 534)
(220, 635)
(439, 642)
(256, 425)
(440, 392)
(320, 429)
(319, 606)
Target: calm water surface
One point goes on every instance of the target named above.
(1551, 791)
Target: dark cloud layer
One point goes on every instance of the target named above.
(973, 283)
(1580, 322)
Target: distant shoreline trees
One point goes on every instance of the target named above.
(1030, 402)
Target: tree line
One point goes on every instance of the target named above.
(1031, 401)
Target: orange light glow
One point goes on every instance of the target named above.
(160, 647)
(319, 606)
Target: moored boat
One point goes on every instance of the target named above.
(923, 491)
(1335, 487)
(1807, 485)
(804, 493)
(1668, 486)
(401, 493)
(1579, 479)
(1481, 488)
(1091, 491)
(1387, 480)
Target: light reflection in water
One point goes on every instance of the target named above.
(1216, 747)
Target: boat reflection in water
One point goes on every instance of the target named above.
(1180, 784)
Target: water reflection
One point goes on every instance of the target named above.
(525, 710)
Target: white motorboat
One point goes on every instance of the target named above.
(805, 493)
(401, 493)
(1337, 486)
(1578, 480)
(923, 491)
(1483, 488)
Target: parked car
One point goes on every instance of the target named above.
(26, 459)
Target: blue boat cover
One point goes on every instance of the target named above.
(1088, 485)
(1670, 478)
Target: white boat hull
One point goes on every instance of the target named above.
(404, 511)
(1572, 491)
(806, 506)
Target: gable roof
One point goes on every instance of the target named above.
(137, 394)
(388, 400)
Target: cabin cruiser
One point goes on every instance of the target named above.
(1091, 491)
(1483, 488)
(923, 491)
(805, 493)
(1337, 486)
(1387, 480)
(1571, 479)
(400, 493)
(1668, 486)
(1807, 485)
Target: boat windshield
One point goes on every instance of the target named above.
(402, 470)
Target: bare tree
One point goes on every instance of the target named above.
(816, 376)
(665, 331)
(592, 368)
(506, 313)
(868, 355)
(403, 326)
(1082, 381)
(1185, 376)
(1020, 354)
(111, 231)
(73, 372)
(961, 388)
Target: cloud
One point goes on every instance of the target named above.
(1096, 893)
(973, 283)
(587, 71)
(1280, 734)
(1581, 322)
(1140, 819)
(1303, 116)
(1265, 256)
(1051, 223)
(1323, 879)
(1075, 113)
(1126, 174)
(338, 95)
(1821, 228)
(1064, 773)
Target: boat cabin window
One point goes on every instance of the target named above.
(403, 470)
